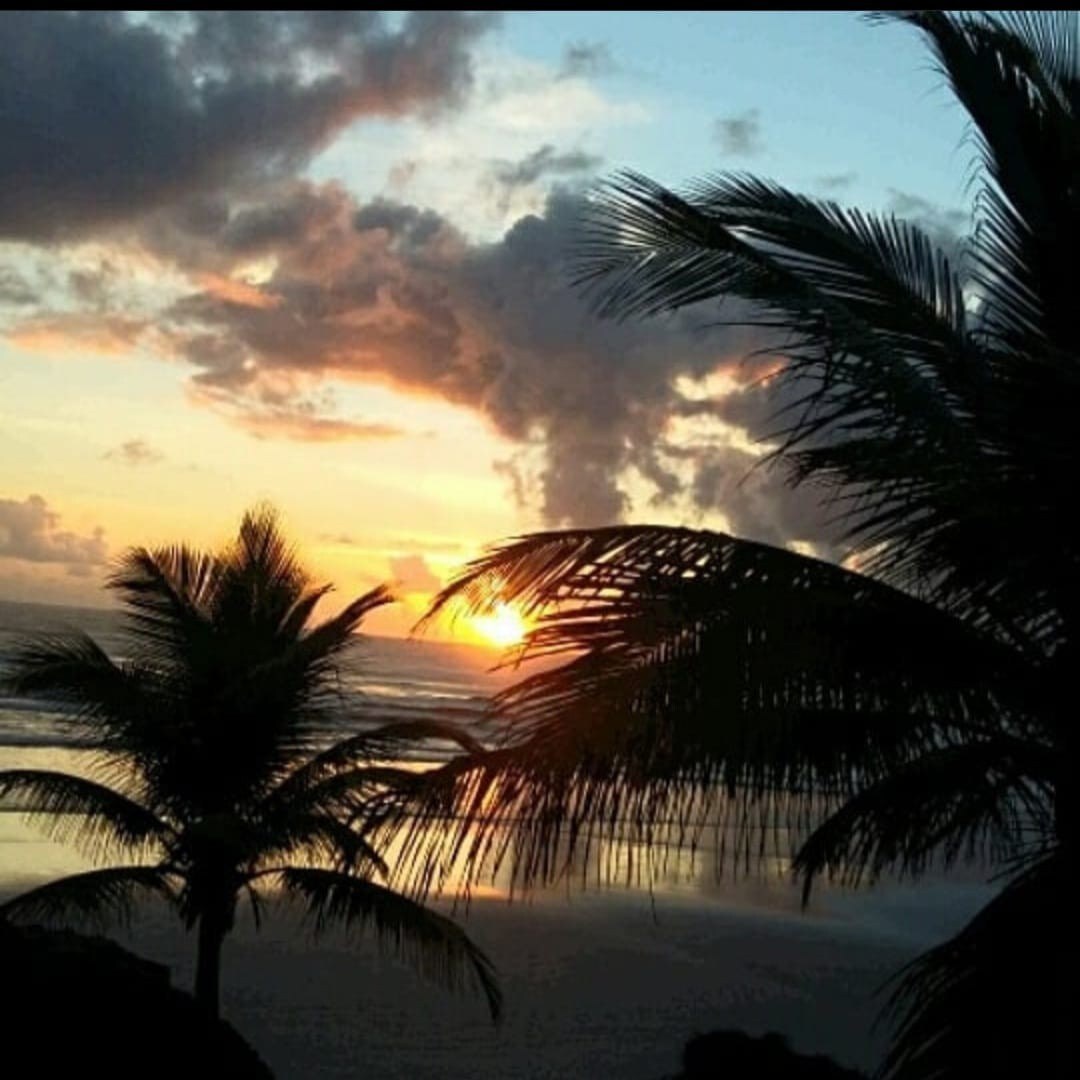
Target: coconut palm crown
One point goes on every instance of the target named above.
(903, 709)
(206, 786)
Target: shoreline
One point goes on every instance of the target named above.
(592, 989)
(607, 982)
(603, 983)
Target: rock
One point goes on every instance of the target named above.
(78, 1005)
(734, 1055)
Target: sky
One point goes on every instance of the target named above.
(324, 260)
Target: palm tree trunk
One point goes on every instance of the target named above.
(208, 963)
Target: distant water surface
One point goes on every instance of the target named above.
(381, 679)
(387, 679)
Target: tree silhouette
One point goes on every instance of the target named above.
(205, 776)
(906, 708)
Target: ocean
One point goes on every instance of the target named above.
(381, 680)
(605, 982)
(388, 679)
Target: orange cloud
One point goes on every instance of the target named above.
(109, 335)
(233, 291)
(282, 424)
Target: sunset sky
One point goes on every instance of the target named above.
(321, 260)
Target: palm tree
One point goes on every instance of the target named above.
(909, 707)
(206, 777)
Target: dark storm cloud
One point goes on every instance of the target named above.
(401, 296)
(30, 530)
(104, 117)
(754, 496)
(740, 134)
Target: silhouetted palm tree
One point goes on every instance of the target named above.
(204, 774)
(915, 710)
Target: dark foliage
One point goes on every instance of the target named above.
(206, 776)
(908, 708)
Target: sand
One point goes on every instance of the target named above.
(610, 983)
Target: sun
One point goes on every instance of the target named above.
(502, 627)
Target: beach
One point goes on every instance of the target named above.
(609, 983)
(603, 983)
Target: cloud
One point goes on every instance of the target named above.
(497, 327)
(394, 543)
(15, 290)
(586, 59)
(107, 334)
(546, 161)
(754, 497)
(739, 134)
(508, 178)
(947, 227)
(121, 115)
(30, 530)
(837, 181)
(413, 574)
(595, 413)
(134, 452)
(282, 424)
(275, 413)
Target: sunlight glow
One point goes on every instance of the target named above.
(502, 627)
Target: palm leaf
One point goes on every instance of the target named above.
(98, 898)
(991, 1001)
(985, 800)
(165, 594)
(1017, 79)
(891, 402)
(712, 682)
(72, 669)
(430, 943)
(286, 688)
(300, 667)
(356, 764)
(97, 819)
(321, 838)
(261, 577)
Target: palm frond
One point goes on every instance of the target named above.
(987, 799)
(165, 594)
(345, 793)
(99, 821)
(286, 684)
(991, 1001)
(623, 591)
(357, 764)
(330, 637)
(433, 945)
(71, 669)
(320, 838)
(936, 438)
(297, 617)
(1017, 77)
(98, 898)
(261, 577)
(712, 682)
